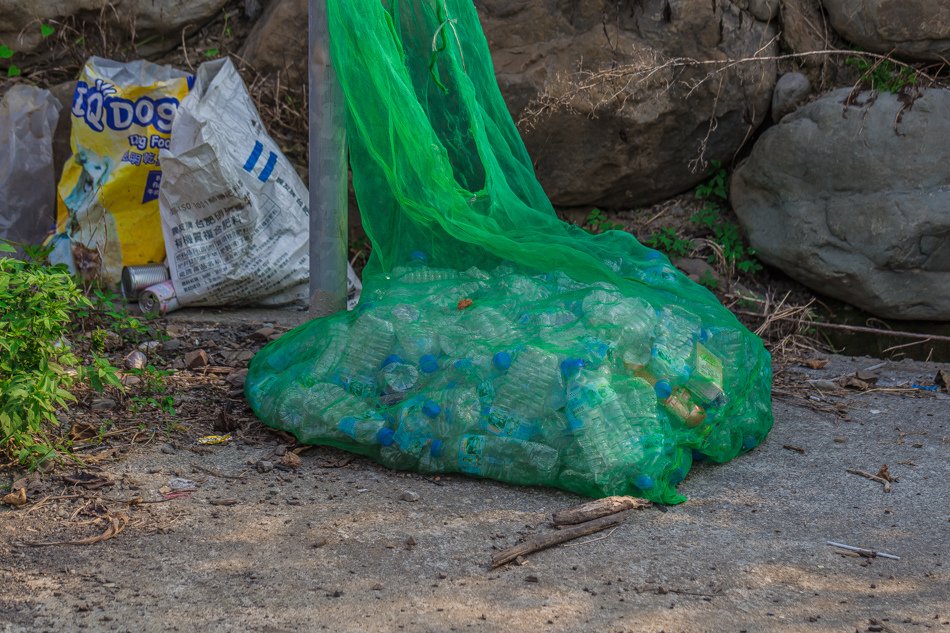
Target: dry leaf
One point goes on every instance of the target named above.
(290, 460)
(16, 498)
(885, 474)
(815, 363)
(855, 383)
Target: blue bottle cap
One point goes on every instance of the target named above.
(436, 449)
(385, 436)
(663, 389)
(653, 255)
(392, 358)
(502, 360)
(643, 482)
(347, 425)
(749, 442)
(418, 256)
(429, 364)
(463, 363)
(571, 366)
(431, 408)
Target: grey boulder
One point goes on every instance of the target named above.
(640, 136)
(149, 20)
(850, 195)
(917, 29)
(791, 90)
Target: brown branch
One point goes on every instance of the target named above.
(543, 541)
(849, 328)
(597, 509)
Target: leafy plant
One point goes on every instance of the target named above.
(153, 392)
(883, 75)
(40, 307)
(669, 241)
(37, 363)
(598, 222)
(714, 192)
(46, 30)
(715, 187)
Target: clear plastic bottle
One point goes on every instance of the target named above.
(371, 341)
(397, 376)
(489, 326)
(599, 423)
(532, 385)
(368, 430)
(497, 457)
(672, 355)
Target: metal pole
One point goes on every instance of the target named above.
(328, 173)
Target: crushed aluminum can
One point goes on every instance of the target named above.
(135, 279)
(214, 439)
(159, 299)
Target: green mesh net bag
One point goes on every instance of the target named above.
(493, 339)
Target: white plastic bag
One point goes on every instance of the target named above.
(28, 117)
(235, 214)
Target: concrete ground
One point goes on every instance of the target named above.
(333, 546)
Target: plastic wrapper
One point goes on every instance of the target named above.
(234, 211)
(28, 117)
(122, 115)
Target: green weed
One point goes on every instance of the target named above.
(714, 193)
(669, 241)
(598, 222)
(883, 75)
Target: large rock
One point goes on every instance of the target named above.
(269, 50)
(639, 147)
(917, 29)
(19, 26)
(853, 199)
(805, 30)
(635, 139)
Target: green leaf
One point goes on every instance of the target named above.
(212, 52)
(14, 71)
(46, 30)
(5, 52)
(6, 248)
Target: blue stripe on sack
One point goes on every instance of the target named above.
(268, 168)
(254, 157)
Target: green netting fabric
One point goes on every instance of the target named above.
(492, 338)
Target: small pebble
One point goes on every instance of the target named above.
(168, 449)
(149, 346)
(136, 360)
(172, 345)
(409, 495)
(103, 404)
(264, 466)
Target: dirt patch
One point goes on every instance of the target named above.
(259, 534)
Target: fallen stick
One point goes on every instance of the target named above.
(867, 475)
(870, 553)
(543, 541)
(598, 508)
(851, 328)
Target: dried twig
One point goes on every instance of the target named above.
(867, 475)
(116, 523)
(544, 541)
(868, 553)
(598, 508)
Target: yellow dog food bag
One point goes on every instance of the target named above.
(122, 115)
